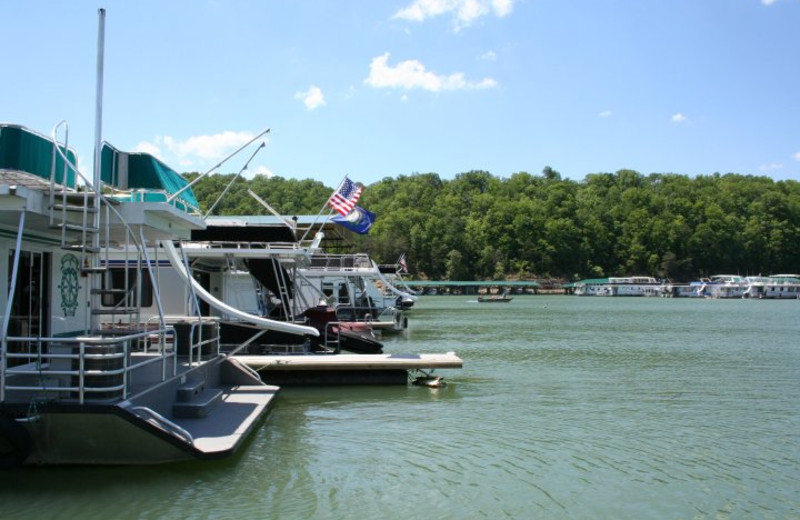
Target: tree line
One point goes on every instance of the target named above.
(481, 227)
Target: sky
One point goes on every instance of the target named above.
(375, 89)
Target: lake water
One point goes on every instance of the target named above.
(566, 407)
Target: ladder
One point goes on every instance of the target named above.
(83, 215)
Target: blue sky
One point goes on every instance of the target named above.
(376, 89)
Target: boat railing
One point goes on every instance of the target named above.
(359, 313)
(89, 246)
(333, 336)
(161, 196)
(158, 420)
(196, 338)
(217, 244)
(323, 262)
(83, 367)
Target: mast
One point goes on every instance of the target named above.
(98, 122)
(95, 283)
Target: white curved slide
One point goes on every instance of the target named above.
(391, 287)
(264, 323)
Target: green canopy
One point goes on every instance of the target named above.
(144, 172)
(30, 152)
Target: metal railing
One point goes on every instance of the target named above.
(198, 333)
(93, 367)
(324, 262)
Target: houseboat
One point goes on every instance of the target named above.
(778, 287)
(85, 376)
(619, 286)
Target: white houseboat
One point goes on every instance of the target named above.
(85, 376)
(619, 286)
(778, 287)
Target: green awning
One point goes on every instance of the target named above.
(30, 152)
(144, 172)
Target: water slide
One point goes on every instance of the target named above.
(264, 323)
(391, 287)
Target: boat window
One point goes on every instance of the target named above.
(30, 307)
(119, 286)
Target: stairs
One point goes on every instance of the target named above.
(76, 214)
(194, 400)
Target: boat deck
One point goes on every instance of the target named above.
(243, 407)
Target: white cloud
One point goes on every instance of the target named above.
(768, 2)
(145, 147)
(464, 12)
(411, 74)
(605, 113)
(679, 118)
(196, 150)
(770, 167)
(260, 170)
(797, 156)
(312, 98)
(489, 56)
(205, 147)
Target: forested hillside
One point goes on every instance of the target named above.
(480, 227)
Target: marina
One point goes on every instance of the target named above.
(111, 349)
(721, 286)
(565, 408)
(157, 361)
(141, 372)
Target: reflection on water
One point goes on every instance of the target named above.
(567, 407)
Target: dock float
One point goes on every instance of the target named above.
(346, 369)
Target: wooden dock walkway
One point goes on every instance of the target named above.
(344, 369)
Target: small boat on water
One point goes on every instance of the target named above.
(495, 298)
(353, 337)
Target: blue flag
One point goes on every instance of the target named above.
(358, 220)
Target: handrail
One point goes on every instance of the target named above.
(41, 363)
(198, 347)
(330, 262)
(250, 370)
(159, 420)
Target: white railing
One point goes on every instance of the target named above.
(93, 367)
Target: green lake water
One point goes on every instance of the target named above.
(567, 407)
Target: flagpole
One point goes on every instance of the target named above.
(322, 209)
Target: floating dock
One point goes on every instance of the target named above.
(346, 369)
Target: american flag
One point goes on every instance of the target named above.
(403, 263)
(344, 199)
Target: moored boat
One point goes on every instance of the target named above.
(83, 379)
(777, 286)
(727, 286)
(619, 286)
(495, 298)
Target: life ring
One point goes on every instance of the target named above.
(15, 443)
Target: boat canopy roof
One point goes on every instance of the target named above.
(30, 152)
(138, 170)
